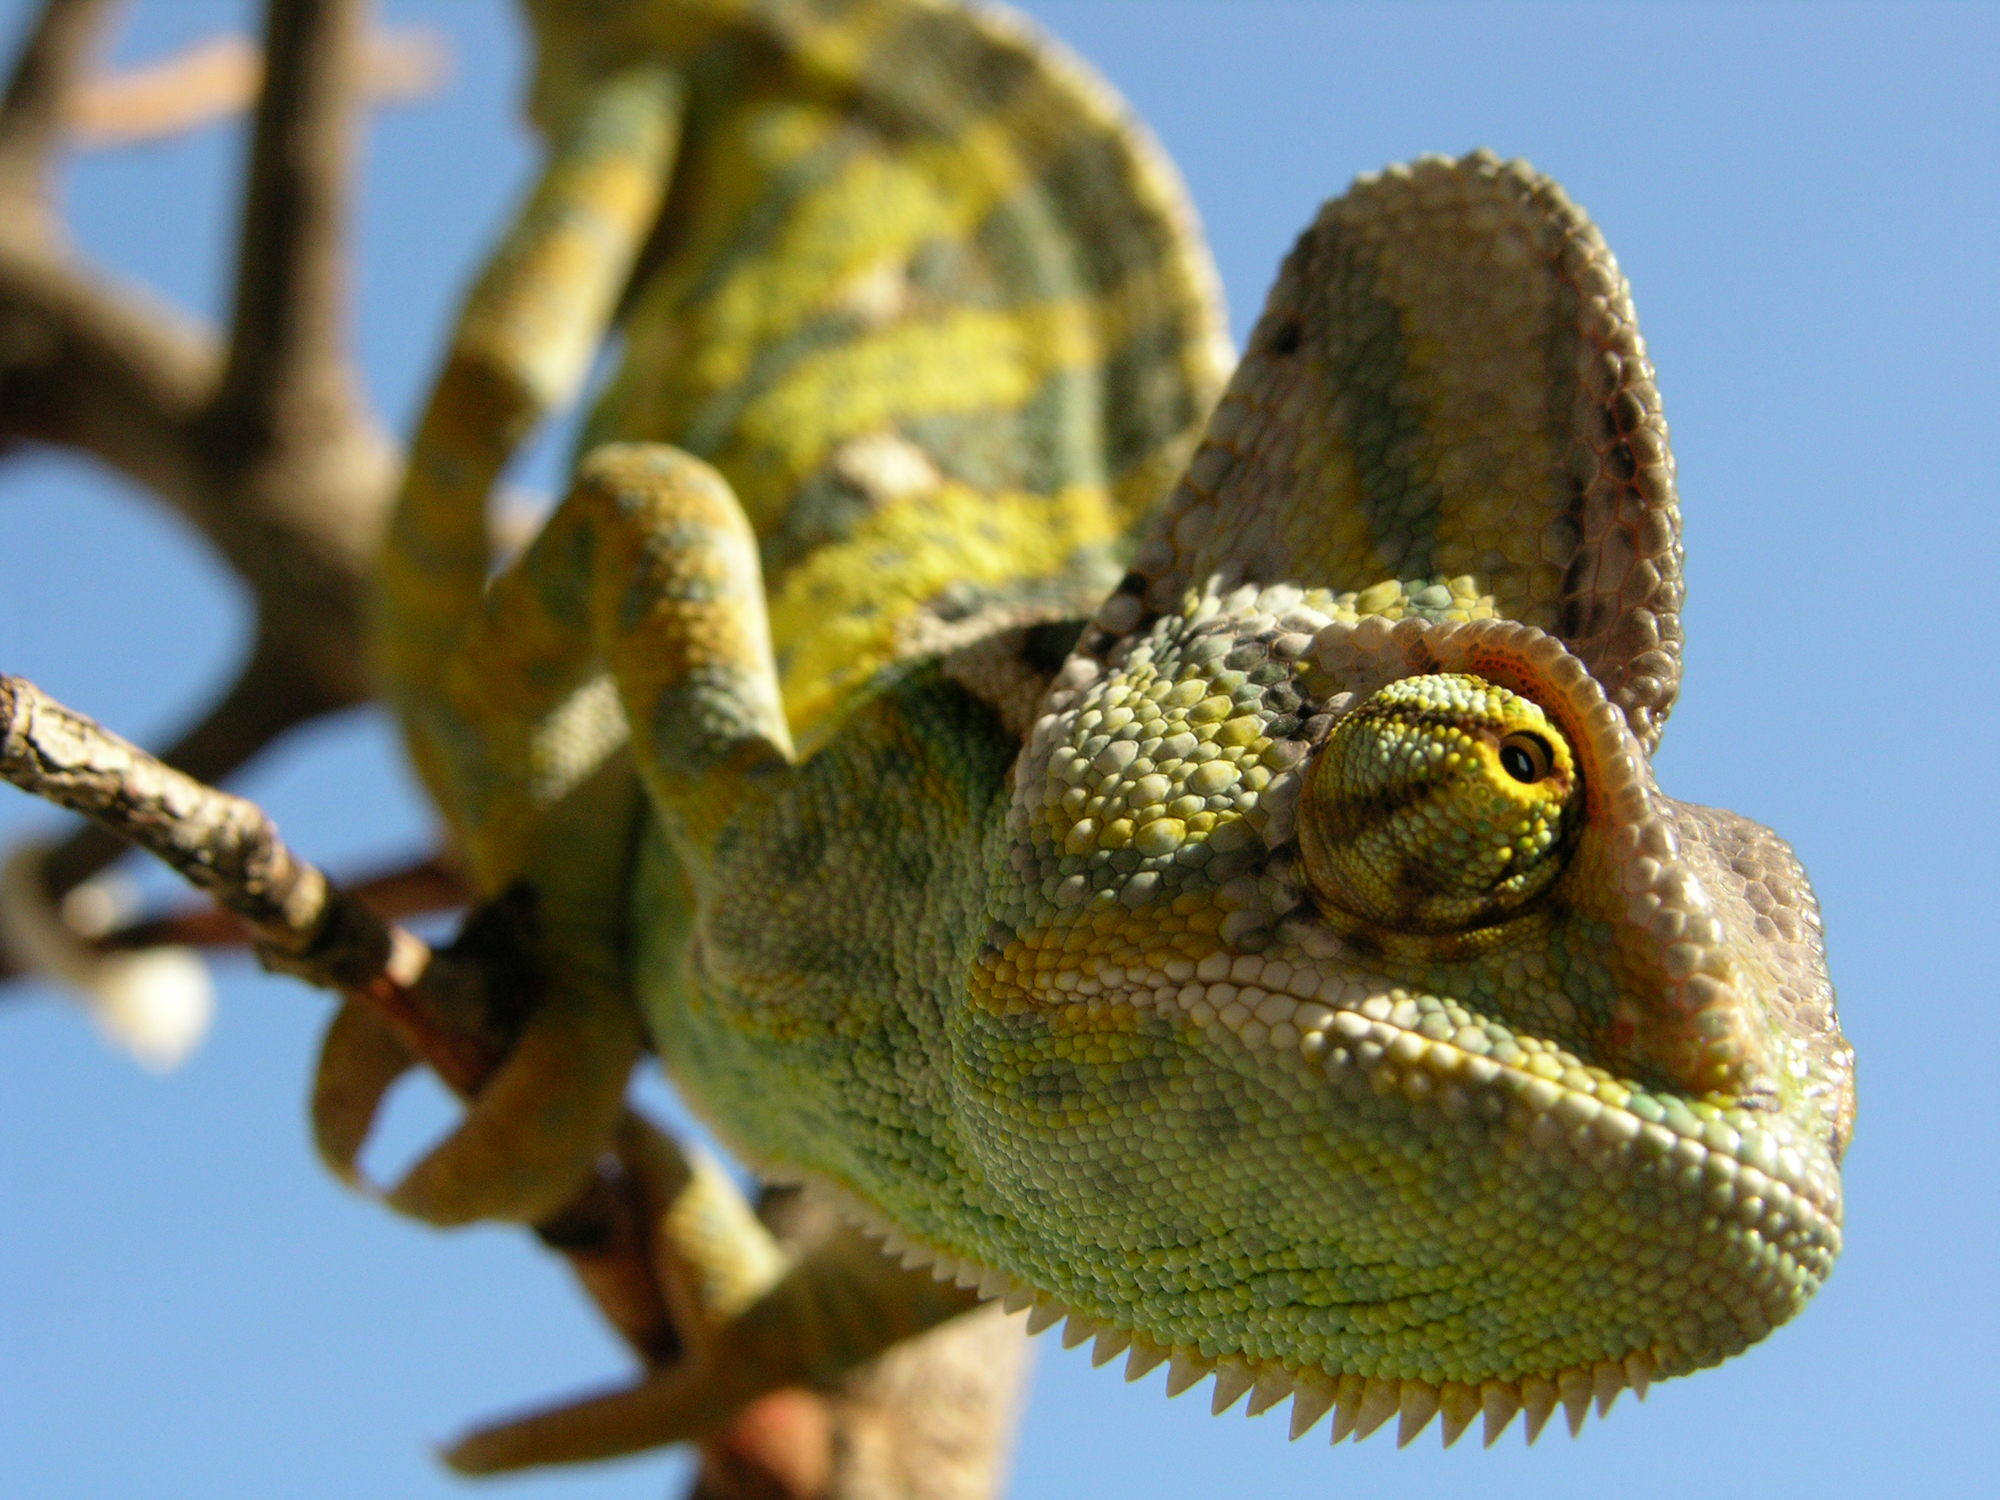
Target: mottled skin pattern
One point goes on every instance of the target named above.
(1291, 971)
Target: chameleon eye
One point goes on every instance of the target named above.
(1442, 803)
(1526, 757)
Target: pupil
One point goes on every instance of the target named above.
(1520, 762)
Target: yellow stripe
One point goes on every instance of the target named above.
(835, 618)
(837, 53)
(877, 210)
(972, 359)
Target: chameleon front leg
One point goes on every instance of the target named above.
(675, 601)
(636, 614)
(649, 570)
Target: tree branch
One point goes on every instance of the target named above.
(286, 371)
(268, 451)
(51, 65)
(229, 848)
(224, 845)
(269, 697)
(421, 889)
(224, 75)
(89, 365)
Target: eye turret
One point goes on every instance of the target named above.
(1442, 803)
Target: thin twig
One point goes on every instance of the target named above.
(51, 65)
(305, 926)
(421, 889)
(227, 847)
(223, 75)
(220, 843)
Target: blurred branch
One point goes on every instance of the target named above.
(431, 885)
(931, 1418)
(264, 443)
(88, 364)
(55, 59)
(223, 75)
(287, 363)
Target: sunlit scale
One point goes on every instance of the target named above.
(1442, 802)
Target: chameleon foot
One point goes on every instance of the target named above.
(752, 1319)
(530, 1134)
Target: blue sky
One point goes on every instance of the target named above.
(1805, 199)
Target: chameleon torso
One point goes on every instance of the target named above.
(931, 304)
(1045, 951)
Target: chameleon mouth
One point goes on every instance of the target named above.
(1782, 1201)
(1361, 1404)
(1771, 1192)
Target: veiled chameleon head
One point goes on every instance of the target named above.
(1403, 1044)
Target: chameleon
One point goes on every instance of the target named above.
(1168, 847)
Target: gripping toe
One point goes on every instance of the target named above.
(528, 1139)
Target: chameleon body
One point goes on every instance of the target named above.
(1236, 913)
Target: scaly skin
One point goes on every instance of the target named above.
(1303, 979)
(945, 338)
